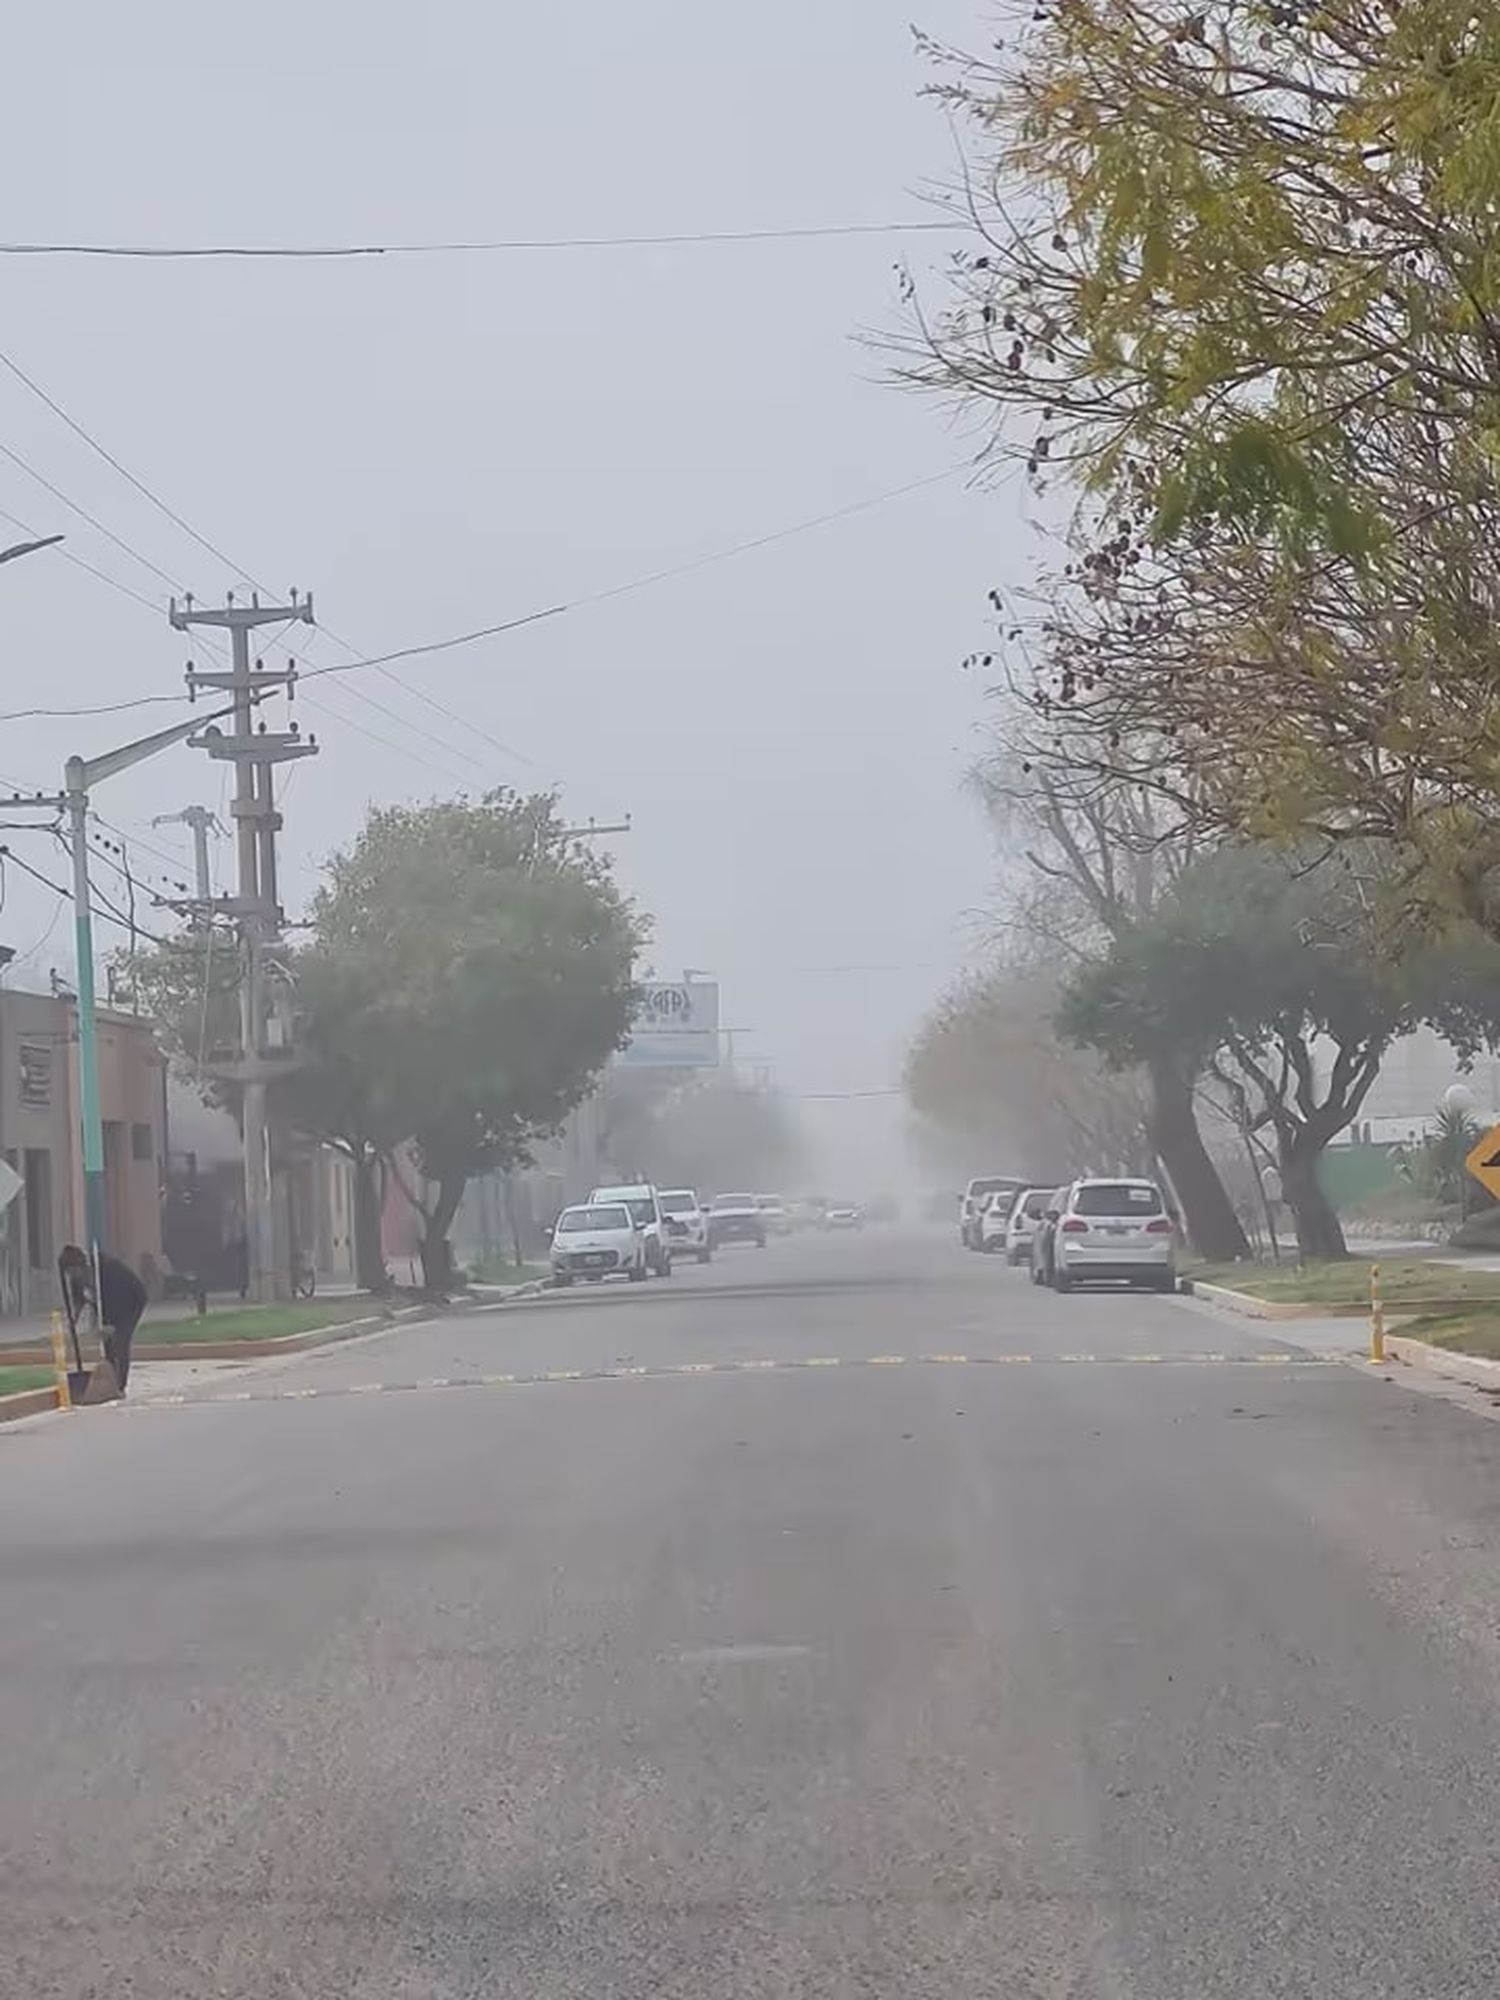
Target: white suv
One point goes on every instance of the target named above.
(645, 1212)
(1117, 1229)
(687, 1223)
(1026, 1211)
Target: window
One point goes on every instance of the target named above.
(141, 1147)
(35, 1062)
(574, 1221)
(1118, 1198)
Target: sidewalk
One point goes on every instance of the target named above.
(35, 1330)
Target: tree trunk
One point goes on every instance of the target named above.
(369, 1262)
(1172, 1123)
(1319, 1231)
(437, 1253)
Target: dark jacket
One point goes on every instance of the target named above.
(124, 1295)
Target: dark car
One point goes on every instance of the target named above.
(737, 1218)
(1043, 1238)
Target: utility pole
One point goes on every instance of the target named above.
(254, 752)
(203, 822)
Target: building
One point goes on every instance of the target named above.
(39, 1139)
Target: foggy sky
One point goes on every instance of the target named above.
(433, 444)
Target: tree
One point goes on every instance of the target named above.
(987, 1065)
(1103, 851)
(1281, 974)
(489, 961)
(714, 1133)
(469, 974)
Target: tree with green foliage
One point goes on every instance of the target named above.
(1240, 283)
(1281, 973)
(490, 962)
(469, 974)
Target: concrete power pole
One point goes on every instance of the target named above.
(265, 1029)
(203, 822)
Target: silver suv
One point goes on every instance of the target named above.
(1114, 1229)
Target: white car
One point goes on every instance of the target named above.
(975, 1199)
(994, 1217)
(1025, 1212)
(1114, 1229)
(597, 1241)
(645, 1210)
(687, 1223)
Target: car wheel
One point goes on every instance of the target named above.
(638, 1274)
(560, 1281)
(1061, 1282)
(1167, 1282)
(705, 1256)
(760, 1242)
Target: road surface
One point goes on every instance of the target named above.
(845, 1620)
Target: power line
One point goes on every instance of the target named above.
(805, 233)
(111, 914)
(455, 641)
(171, 514)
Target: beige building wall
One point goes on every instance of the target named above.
(39, 1139)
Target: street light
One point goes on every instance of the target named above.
(80, 775)
(29, 548)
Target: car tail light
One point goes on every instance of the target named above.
(1160, 1227)
(1075, 1227)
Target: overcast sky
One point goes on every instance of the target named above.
(437, 443)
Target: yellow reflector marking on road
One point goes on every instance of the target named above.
(1013, 1357)
(694, 1368)
(887, 1361)
(945, 1357)
(757, 1364)
(822, 1361)
(495, 1381)
(1078, 1357)
(564, 1375)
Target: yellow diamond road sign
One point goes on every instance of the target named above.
(1484, 1162)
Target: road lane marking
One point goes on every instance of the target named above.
(1290, 1359)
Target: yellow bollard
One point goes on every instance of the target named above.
(1377, 1318)
(60, 1363)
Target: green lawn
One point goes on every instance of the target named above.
(14, 1380)
(501, 1271)
(254, 1322)
(1464, 1333)
(1403, 1280)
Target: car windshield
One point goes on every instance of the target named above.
(978, 1189)
(573, 1221)
(1118, 1198)
(679, 1202)
(1036, 1204)
(727, 1201)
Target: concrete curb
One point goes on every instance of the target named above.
(27, 1403)
(1249, 1307)
(1472, 1369)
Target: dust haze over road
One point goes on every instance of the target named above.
(845, 1618)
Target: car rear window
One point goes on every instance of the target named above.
(1037, 1203)
(677, 1203)
(977, 1188)
(1118, 1198)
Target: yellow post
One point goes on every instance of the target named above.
(1377, 1318)
(60, 1363)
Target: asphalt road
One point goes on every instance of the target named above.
(757, 1654)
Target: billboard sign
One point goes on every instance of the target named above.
(676, 1027)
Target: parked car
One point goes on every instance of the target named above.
(687, 1223)
(993, 1219)
(645, 1209)
(596, 1241)
(778, 1215)
(1044, 1236)
(1026, 1212)
(971, 1203)
(1120, 1230)
(736, 1218)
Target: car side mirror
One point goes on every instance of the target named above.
(1054, 1215)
